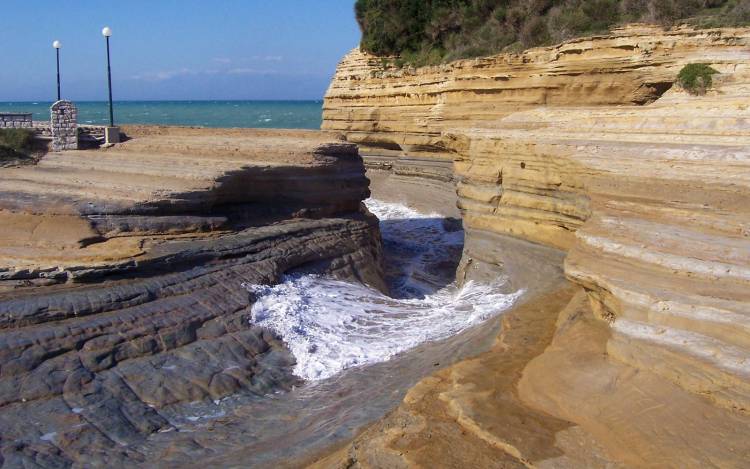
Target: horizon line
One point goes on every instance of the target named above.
(32, 101)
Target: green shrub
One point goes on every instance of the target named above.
(7, 153)
(534, 32)
(18, 140)
(431, 31)
(696, 78)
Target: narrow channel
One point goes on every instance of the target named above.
(332, 325)
(357, 349)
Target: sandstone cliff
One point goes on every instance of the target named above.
(589, 148)
(406, 110)
(121, 277)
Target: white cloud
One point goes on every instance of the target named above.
(164, 75)
(254, 58)
(221, 62)
(268, 58)
(250, 71)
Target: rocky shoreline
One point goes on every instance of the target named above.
(580, 173)
(122, 274)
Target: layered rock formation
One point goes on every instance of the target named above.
(388, 109)
(122, 277)
(649, 362)
(652, 204)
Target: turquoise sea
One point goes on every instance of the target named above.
(263, 114)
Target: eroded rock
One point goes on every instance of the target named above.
(649, 203)
(144, 249)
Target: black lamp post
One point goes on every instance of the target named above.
(57, 45)
(107, 32)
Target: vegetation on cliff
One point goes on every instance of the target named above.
(424, 32)
(696, 78)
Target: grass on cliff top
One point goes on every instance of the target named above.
(425, 32)
(696, 78)
(16, 144)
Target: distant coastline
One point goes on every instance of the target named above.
(215, 113)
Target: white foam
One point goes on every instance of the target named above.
(331, 325)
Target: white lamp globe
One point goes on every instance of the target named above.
(57, 44)
(106, 32)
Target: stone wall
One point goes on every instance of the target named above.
(92, 133)
(15, 121)
(42, 129)
(64, 126)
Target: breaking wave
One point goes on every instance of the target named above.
(331, 325)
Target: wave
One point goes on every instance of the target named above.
(332, 325)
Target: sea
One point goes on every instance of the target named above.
(332, 325)
(254, 114)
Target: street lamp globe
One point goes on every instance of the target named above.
(106, 32)
(57, 44)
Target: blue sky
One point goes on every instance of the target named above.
(170, 49)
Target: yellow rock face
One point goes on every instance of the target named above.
(653, 205)
(587, 147)
(409, 109)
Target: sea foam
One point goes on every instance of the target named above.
(331, 325)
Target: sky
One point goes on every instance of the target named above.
(174, 49)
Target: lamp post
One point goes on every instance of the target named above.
(107, 32)
(57, 45)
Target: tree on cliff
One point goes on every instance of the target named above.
(432, 31)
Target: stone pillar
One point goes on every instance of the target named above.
(111, 135)
(64, 126)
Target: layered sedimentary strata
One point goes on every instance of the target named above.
(122, 272)
(648, 364)
(392, 110)
(653, 206)
(74, 207)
